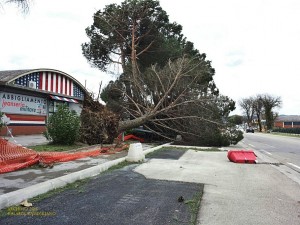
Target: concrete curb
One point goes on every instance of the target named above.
(15, 197)
(147, 151)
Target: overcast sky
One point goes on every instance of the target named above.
(253, 45)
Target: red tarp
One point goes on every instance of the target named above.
(131, 136)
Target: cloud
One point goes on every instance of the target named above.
(253, 45)
(234, 62)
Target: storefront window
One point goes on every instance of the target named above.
(53, 106)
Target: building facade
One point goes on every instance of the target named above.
(29, 97)
(287, 121)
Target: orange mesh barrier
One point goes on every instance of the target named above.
(52, 157)
(14, 157)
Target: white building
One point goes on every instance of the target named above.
(28, 97)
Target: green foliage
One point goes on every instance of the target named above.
(56, 147)
(210, 134)
(63, 126)
(112, 96)
(235, 119)
(232, 135)
(145, 23)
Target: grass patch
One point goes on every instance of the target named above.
(194, 206)
(55, 147)
(120, 166)
(79, 185)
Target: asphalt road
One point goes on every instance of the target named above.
(283, 148)
(117, 197)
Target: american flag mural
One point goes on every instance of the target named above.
(23, 81)
(77, 92)
(52, 82)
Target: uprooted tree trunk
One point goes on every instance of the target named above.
(129, 124)
(98, 124)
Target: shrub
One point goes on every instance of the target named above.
(63, 126)
(287, 130)
(232, 136)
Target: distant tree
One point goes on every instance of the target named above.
(247, 104)
(258, 107)
(262, 105)
(270, 102)
(236, 119)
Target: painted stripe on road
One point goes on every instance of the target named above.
(252, 146)
(298, 167)
(270, 146)
(267, 152)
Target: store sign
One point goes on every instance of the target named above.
(22, 104)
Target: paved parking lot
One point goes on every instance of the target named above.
(116, 197)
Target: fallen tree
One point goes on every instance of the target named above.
(176, 99)
(167, 97)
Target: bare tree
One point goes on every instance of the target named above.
(258, 107)
(247, 104)
(269, 103)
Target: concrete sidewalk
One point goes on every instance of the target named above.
(28, 140)
(233, 193)
(263, 193)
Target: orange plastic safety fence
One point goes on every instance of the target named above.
(52, 157)
(14, 157)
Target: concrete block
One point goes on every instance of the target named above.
(135, 153)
